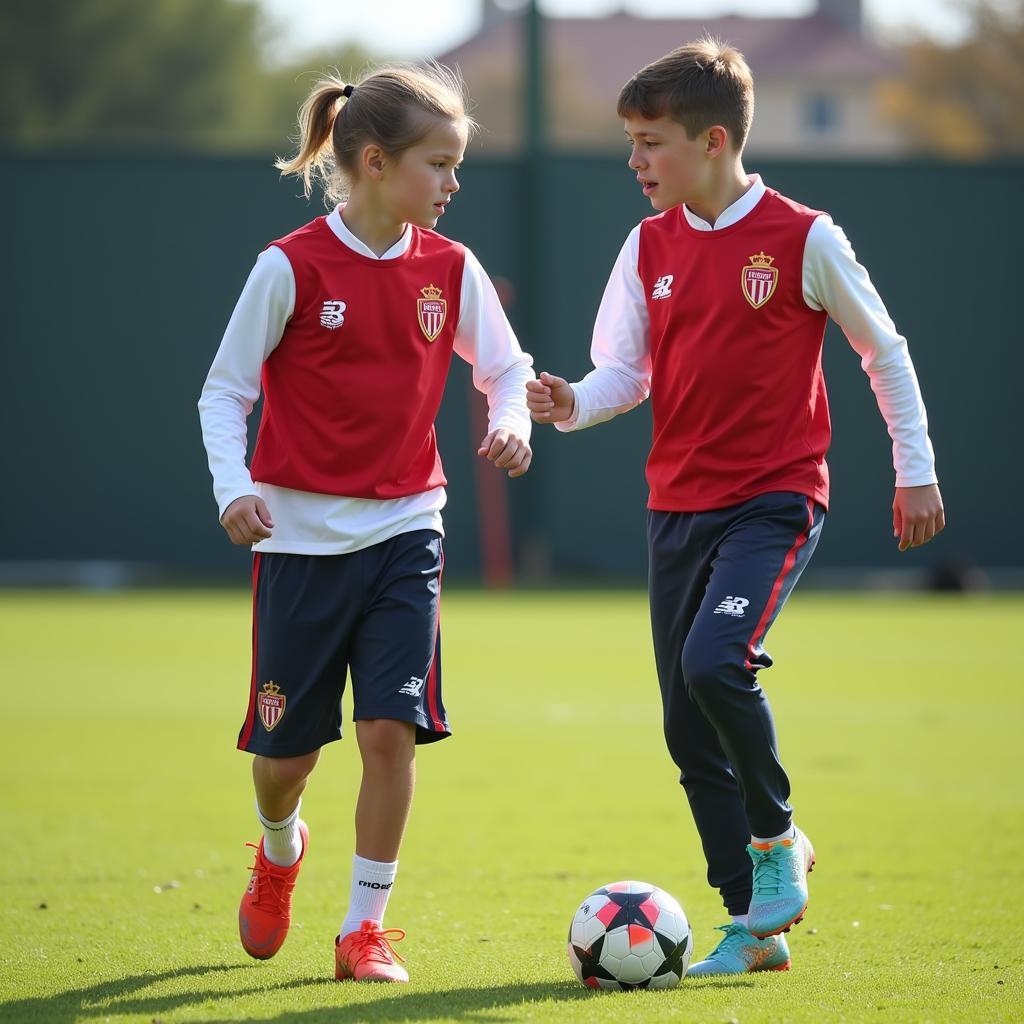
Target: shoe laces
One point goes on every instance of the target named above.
(373, 943)
(735, 937)
(768, 869)
(265, 887)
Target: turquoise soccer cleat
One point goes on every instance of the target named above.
(780, 884)
(740, 952)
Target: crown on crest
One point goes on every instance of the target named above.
(431, 292)
(760, 260)
(272, 688)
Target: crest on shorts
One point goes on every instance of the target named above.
(759, 279)
(271, 705)
(432, 310)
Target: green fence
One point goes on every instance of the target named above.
(120, 273)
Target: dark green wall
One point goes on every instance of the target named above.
(939, 242)
(120, 273)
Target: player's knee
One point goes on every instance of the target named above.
(705, 671)
(386, 742)
(287, 772)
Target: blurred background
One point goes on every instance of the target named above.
(137, 188)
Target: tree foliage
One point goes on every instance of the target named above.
(189, 73)
(967, 100)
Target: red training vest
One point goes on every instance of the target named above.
(351, 393)
(737, 391)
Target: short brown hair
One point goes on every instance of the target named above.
(701, 84)
(394, 107)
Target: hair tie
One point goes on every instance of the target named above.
(347, 91)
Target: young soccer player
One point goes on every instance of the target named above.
(716, 308)
(350, 323)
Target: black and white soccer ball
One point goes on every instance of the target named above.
(630, 935)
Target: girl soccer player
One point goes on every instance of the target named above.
(349, 323)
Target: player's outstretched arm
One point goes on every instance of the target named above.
(550, 399)
(917, 515)
(247, 520)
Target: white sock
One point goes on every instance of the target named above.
(282, 841)
(743, 919)
(371, 886)
(790, 833)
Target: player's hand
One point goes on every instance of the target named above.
(550, 399)
(917, 515)
(507, 451)
(247, 520)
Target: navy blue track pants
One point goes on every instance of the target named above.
(717, 582)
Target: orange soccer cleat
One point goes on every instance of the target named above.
(367, 955)
(266, 909)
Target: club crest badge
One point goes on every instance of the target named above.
(271, 705)
(759, 280)
(432, 310)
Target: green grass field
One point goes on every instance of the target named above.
(123, 861)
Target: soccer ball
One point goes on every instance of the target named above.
(630, 935)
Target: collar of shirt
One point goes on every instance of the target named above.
(730, 214)
(337, 225)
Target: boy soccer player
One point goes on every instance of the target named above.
(716, 308)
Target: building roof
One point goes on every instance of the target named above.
(615, 47)
(588, 61)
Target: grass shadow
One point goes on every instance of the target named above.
(73, 1004)
(402, 1005)
(123, 996)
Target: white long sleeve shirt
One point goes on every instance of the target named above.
(323, 524)
(833, 281)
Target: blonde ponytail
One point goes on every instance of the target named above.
(394, 107)
(317, 115)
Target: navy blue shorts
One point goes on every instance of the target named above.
(372, 614)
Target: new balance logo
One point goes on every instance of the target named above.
(662, 287)
(733, 606)
(333, 314)
(413, 688)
